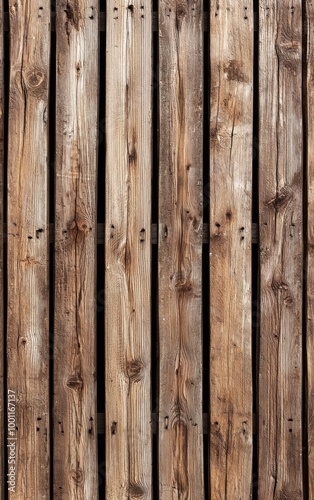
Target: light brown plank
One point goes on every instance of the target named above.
(180, 249)
(231, 136)
(280, 204)
(3, 424)
(74, 412)
(128, 250)
(27, 328)
(309, 263)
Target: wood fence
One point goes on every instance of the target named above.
(157, 249)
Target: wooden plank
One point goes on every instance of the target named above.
(74, 412)
(280, 205)
(309, 263)
(3, 424)
(28, 308)
(128, 249)
(180, 249)
(231, 137)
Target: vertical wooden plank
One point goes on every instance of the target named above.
(128, 249)
(231, 134)
(280, 205)
(3, 424)
(75, 432)
(180, 249)
(27, 331)
(309, 264)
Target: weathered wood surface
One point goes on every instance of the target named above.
(231, 123)
(128, 250)
(280, 204)
(75, 473)
(27, 322)
(3, 424)
(180, 249)
(309, 263)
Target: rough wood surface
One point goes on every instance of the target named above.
(27, 323)
(280, 204)
(3, 424)
(180, 249)
(74, 412)
(231, 123)
(128, 249)
(309, 263)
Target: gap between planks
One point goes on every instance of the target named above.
(101, 228)
(102, 21)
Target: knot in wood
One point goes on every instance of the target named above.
(182, 282)
(35, 82)
(289, 52)
(134, 369)
(75, 382)
(181, 12)
(77, 476)
(72, 12)
(234, 72)
(135, 491)
(281, 200)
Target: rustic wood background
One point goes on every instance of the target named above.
(157, 249)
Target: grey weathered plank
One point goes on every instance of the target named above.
(27, 322)
(281, 248)
(128, 250)
(75, 473)
(180, 249)
(231, 136)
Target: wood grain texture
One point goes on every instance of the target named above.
(75, 432)
(128, 250)
(28, 292)
(281, 248)
(309, 263)
(180, 249)
(231, 127)
(3, 424)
